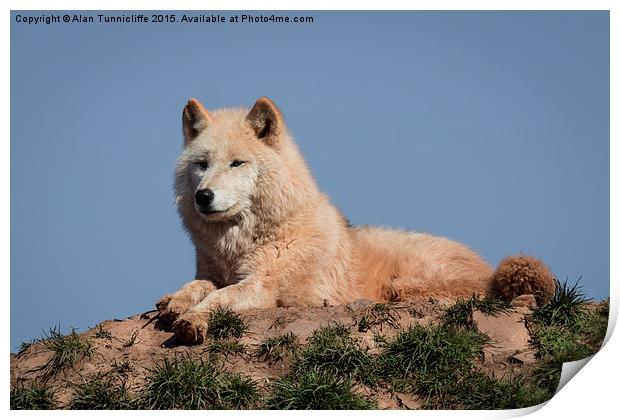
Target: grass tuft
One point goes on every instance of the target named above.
(102, 333)
(225, 347)
(181, 383)
(312, 390)
(559, 344)
(189, 384)
(558, 340)
(133, 339)
(547, 376)
(35, 396)
(225, 323)
(67, 350)
(428, 360)
(565, 330)
(478, 391)
(435, 350)
(377, 314)
(238, 392)
(102, 393)
(460, 314)
(332, 350)
(438, 363)
(25, 345)
(592, 326)
(565, 307)
(277, 348)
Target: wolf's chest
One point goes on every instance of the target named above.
(233, 243)
(228, 251)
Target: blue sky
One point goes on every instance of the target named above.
(491, 128)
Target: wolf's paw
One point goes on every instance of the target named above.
(172, 307)
(191, 328)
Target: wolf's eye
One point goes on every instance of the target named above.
(236, 163)
(203, 164)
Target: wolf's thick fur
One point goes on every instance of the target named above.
(270, 238)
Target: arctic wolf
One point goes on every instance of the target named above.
(265, 235)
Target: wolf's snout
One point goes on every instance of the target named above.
(204, 198)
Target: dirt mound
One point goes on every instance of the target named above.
(133, 348)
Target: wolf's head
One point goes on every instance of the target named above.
(236, 162)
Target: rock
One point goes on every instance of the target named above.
(359, 304)
(507, 332)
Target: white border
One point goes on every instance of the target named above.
(593, 394)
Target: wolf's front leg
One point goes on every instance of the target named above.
(191, 327)
(172, 306)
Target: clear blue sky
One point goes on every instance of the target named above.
(488, 128)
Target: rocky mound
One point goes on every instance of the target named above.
(429, 354)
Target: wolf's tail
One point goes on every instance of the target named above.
(523, 275)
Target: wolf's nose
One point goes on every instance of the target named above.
(204, 198)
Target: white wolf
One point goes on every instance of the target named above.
(265, 235)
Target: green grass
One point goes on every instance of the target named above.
(189, 384)
(35, 396)
(438, 364)
(428, 361)
(592, 326)
(238, 392)
(67, 350)
(224, 323)
(378, 314)
(276, 348)
(565, 330)
(226, 347)
(603, 308)
(312, 390)
(102, 393)
(435, 350)
(334, 351)
(181, 383)
(379, 339)
(102, 333)
(565, 307)
(25, 345)
(478, 391)
(460, 314)
(559, 344)
(547, 376)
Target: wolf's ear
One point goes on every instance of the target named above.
(266, 120)
(195, 120)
